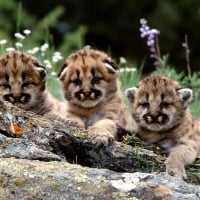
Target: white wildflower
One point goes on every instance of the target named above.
(47, 64)
(19, 36)
(133, 69)
(18, 44)
(53, 74)
(44, 47)
(56, 57)
(128, 69)
(122, 60)
(3, 42)
(87, 47)
(30, 51)
(57, 53)
(27, 32)
(9, 49)
(121, 70)
(46, 61)
(36, 49)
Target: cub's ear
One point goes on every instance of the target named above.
(62, 72)
(186, 95)
(41, 69)
(111, 66)
(130, 93)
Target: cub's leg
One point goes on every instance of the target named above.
(102, 132)
(64, 120)
(180, 157)
(76, 121)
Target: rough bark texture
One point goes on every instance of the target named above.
(34, 164)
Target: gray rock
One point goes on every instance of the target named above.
(31, 179)
(22, 148)
(45, 158)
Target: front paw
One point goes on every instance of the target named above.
(76, 122)
(72, 123)
(100, 136)
(175, 168)
(66, 121)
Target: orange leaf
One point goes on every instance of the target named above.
(16, 129)
(30, 125)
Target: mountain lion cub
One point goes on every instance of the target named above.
(159, 107)
(22, 82)
(92, 93)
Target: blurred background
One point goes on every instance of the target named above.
(109, 25)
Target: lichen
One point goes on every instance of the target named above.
(81, 178)
(80, 133)
(122, 196)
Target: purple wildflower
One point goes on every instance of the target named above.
(150, 34)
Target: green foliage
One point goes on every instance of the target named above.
(194, 83)
(73, 40)
(120, 29)
(54, 86)
(171, 73)
(129, 76)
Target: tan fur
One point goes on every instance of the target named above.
(22, 82)
(159, 107)
(93, 96)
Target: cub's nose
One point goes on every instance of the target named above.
(159, 118)
(87, 93)
(16, 96)
(12, 97)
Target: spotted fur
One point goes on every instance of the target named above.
(22, 83)
(159, 107)
(92, 93)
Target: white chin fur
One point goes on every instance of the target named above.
(157, 127)
(88, 103)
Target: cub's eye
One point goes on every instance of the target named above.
(5, 86)
(96, 80)
(145, 105)
(164, 104)
(26, 85)
(76, 81)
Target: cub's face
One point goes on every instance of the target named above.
(88, 78)
(22, 79)
(158, 103)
